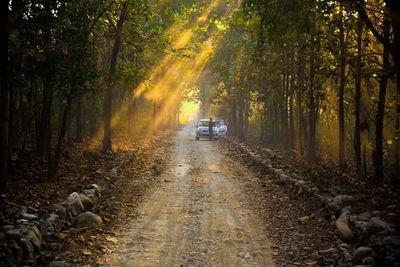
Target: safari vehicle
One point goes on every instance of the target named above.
(202, 129)
(222, 127)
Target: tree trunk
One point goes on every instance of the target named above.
(44, 138)
(80, 121)
(4, 94)
(357, 101)
(342, 76)
(93, 115)
(241, 115)
(393, 10)
(291, 109)
(312, 110)
(299, 99)
(108, 92)
(63, 129)
(234, 118)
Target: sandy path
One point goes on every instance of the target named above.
(195, 218)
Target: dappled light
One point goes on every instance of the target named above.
(199, 133)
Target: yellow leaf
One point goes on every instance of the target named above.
(112, 239)
(86, 252)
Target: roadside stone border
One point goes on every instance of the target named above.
(367, 240)
(22, 240)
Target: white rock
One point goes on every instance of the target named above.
(343, 229)
(75, 203)
(86, 201)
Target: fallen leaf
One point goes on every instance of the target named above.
(86, 252)
(112, 239)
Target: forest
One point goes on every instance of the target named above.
(320, 77)
(317, 81)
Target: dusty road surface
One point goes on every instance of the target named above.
(195, 218)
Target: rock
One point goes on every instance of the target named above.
(369, 261)
(365, 216)
(341, 201)
(58, 264)
(376, 225)
(92, 194)
(360, 254)
(54, 220)
(361, 226)
(59, 209)
(29, 217)
(35, 237)
(3, 238)
(17, 251)
(14, 234)
(96, 187)
(391, 240)
(343, 229)
(87, 219)
(8, 227)
(22, 221)
(46, 228)
(328, 251)
(87, 202)
(75, 204)
(29, 251)
(304, 218)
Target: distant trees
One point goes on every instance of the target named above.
(319, 75)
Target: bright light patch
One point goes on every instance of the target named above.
(188, 112)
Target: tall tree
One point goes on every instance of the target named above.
(342, 83)
(4, 94)
(108, 92)
(380, 112)
(357, 100)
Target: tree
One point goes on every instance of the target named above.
(4, 94)
(108, 92)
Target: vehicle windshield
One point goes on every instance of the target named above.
(203, 123)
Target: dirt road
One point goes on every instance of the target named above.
(195, 218)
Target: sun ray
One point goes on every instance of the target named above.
(169, 78)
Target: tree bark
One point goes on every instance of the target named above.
(4, 94)
(392, 10)
(80, 120)
(233, 117)
(342, 77)
(241, 115)
(380, 113)
(63, 129)
(299, 99)
(108, 92)
(357, 101)
(44, 138)
(312, 109)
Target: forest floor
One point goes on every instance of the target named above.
(169, 200)
(200, 208)
(330, 179)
